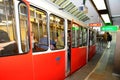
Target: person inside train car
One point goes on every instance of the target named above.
(33, 39)
(7, 46)
(61, 40)
(2, 45)
(53, 43)
(109, 39)
(43, 42)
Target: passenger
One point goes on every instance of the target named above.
(1, 48)
(7, 47)
(105, 37)
(61, 39)
(53, 43)
(2, 45)
(33, 39)
(109, 39)
(4, 37)
(43, 42)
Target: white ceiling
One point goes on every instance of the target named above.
(114, 6)
(114, 10)
(92, 14)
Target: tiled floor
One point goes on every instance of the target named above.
(104, 68)
(82, 73)
(98, 68)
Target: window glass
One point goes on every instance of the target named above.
(69, 35)
(75, 35)
(57, 39)
(84, 30)
(23, 13)
(8, 45)
(80, 36)
(73, 38)
(39, 32)
(92, 37)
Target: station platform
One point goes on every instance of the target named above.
(100, 67)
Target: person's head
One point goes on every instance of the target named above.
(107, 32)
(56, 39)
(45, 34)
(32, 33)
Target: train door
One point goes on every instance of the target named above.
(68, 47)
(15, 51)
(91, 44)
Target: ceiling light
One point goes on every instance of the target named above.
(100, 4)
(1, 0)
(106, 18)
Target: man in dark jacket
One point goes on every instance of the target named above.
(109, 39)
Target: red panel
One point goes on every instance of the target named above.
(17, 67)
(78, 58)
(92, 52)
(50, 66)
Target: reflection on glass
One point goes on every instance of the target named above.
(84, 36)
(8, 43)
(75, 35)
(39, 29)
(57, 39)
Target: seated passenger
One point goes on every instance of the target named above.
(43, 42)
(53, 43)
(33, 39)
(7, 47)
(2, 45)
(1, 48)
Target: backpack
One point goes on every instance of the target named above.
(109, 38)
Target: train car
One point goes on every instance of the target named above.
(39, 42)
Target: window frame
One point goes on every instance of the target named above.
(28, 31)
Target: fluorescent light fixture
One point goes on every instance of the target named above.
(100, 4)
(1, 0)
(106, 18)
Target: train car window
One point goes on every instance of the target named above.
(23, 14)
(75, 35)
(57, 39)
(8, 43)
(80, 36)
(39, 33)
(69, 35)
(84, 31)
(92, 38)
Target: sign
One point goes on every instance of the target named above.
(109, 28)
(75, 28)
(95, 24)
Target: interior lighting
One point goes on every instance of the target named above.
(1, 0)
(100, 4)
(106, 18)
(51, 18)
